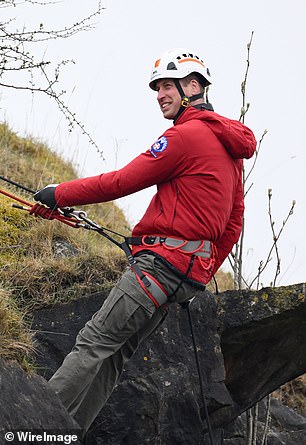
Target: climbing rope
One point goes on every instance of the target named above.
(186, 305)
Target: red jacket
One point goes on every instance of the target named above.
(197, 167)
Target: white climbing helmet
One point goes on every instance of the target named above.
(178, 63)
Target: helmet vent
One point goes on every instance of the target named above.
(171, 66)
(189, 55)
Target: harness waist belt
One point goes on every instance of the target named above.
(201, 248)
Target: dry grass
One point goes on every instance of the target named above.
(15, 337)
(30, 162)
(293, 394)
(51, 263)
(225, 281)
(39, 282)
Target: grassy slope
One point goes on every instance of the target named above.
(33, 271)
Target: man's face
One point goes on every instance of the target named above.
(168, 98)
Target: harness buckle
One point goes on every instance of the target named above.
(150, 240)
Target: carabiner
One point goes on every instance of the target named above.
(71, 213)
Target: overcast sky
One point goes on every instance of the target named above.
(107, 87)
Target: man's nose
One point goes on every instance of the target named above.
(160, 94)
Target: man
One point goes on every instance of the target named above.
(188, 230)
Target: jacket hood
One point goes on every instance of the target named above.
(238, 139)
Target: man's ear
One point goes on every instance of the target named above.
(196, 87)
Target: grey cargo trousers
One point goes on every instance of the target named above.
(91, 370)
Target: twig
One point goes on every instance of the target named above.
(267, 420)
(254, 162)
(245, 106)
(239, 246)
(275, 240)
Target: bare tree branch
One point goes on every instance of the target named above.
(17, 57)
(274, 246)
(239, 246)
(245, 106)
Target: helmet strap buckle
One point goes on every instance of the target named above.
(185, 102)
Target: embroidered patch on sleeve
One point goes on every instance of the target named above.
(159, 146)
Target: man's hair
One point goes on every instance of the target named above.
(193, 76)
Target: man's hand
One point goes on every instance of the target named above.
(46, 195)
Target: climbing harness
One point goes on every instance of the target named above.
(78, 219)
(201, 248)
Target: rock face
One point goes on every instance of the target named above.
(27, 404)
(263, 338)
(261, 335)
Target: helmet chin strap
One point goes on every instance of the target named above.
(185, 101)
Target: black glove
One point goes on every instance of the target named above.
(46, 195)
